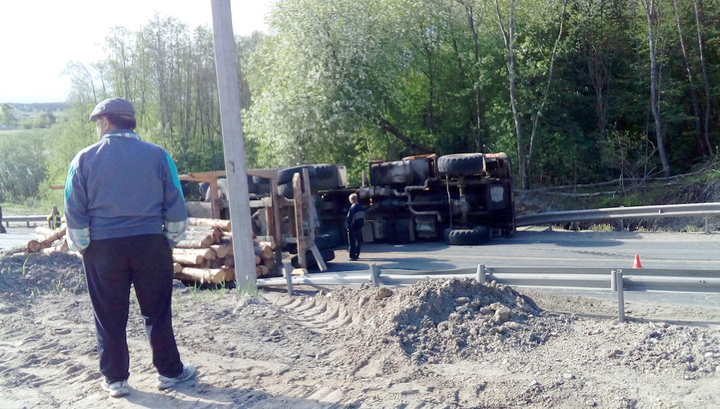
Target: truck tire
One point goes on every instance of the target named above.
(252, 187)
(262, 185)
(328, 240)
(287, 191)
(323, 241)
(327, 255)
(325, 171)
(286, 175)
(460, 164)
(466, 237)
(326, 177)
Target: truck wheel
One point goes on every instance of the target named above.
(286, 175)
(325, 171)
(324, 241)
(262, 185)
(466, 237)
(328, 240)
(286, 190)
(327, 255)
(460, 164)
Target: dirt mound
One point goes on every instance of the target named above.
(36, 274)
(446, 320)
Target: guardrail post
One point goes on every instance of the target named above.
(616, 284)
(481, 273)
(707, 227)
(287, 271)
(375, 275)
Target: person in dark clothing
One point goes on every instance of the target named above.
(355, 223)
(2, 228)
(125, 210)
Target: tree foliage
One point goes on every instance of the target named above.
(23, 164)
(576, 98)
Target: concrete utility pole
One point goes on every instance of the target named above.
(233, 144)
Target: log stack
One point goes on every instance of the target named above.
(204, 256)
(264, 258)
(46, 241)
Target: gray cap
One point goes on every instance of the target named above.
(117, 106)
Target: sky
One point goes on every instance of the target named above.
(39, 37)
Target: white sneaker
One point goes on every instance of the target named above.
(116, 389)
(165, 382)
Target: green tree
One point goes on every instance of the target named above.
(23, 161)
(7, 115)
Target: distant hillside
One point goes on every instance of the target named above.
(39, 106)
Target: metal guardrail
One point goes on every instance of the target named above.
(634, 212)
(24, 219)
(637, 279)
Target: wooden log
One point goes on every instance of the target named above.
(62, 248)
(261, 271)
(202, 275)
(270, 244)
(43, 232)
(208, 235)
(56, 234)
(258, 260)
(20, 248)
(222, 250)
(204, 253)
(188, 259)
(266, 252)
(217, 263)
(219, 223)
(202, 235)
(177, 268)
(269, 263)
(35, 246)
(229, 261)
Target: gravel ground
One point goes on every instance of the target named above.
(435, 344)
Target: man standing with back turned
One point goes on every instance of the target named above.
(125, 210)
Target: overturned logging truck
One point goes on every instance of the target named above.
(463, 199)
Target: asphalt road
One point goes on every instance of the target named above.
(16, 235)
(537, 247)
(532, 247)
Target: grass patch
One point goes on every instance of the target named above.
(250, 291)
(602, 227)
(31, 208)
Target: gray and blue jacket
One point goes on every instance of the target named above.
(122, 186)
(356, 216)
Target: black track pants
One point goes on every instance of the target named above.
(354, 242)
(111, 267)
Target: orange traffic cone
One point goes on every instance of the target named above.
(636, 263)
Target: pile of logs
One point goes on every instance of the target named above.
(204, 256)
(48, 240)
(264, 258)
